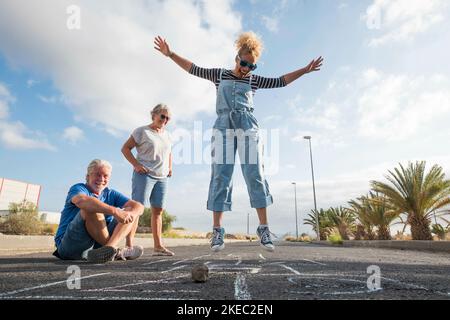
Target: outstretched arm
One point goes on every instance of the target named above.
(162, 46)
(311, 67)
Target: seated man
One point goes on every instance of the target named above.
(97, 217)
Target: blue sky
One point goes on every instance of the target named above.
(382, 97)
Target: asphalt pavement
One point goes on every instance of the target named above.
(242, 271)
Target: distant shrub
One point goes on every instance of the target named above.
(335, 238)
(440, 231)
(23, 219)
(402, 236)
(302, 238)
(49, 229)
(167, 219)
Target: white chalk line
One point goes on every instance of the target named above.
(290, 269)
(234, 268)
(195, 258)
(297, 273)
(49, 284)
(239, 258)
(203, 256)
(90, 298)
(162, 272)
(173, 269)
(292, 279)
(141, 283)
(241, 289)
(143, 291)
(181, 261)
(315, 262)
(229, 265)
(153, 262)
(335, 292)
(406, 284)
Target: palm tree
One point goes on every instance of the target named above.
(365, 227)
(324, 224)
(343, 220)
(373, 210)
(416, 194)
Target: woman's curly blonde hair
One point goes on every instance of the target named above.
(249, 42)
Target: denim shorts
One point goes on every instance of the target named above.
(146, 187)
(77, 240)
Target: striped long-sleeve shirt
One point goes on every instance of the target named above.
(257, 82)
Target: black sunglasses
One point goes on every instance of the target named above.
(164, 117)
(247, 64)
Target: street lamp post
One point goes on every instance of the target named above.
(314, 187)
(296, 219)
(248, 226)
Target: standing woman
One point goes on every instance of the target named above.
(152, 167)
(234, 106)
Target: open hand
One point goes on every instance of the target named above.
(162, 46)
(314, 65)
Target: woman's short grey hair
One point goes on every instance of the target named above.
(160, 108)
(97, 163)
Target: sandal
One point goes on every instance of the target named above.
(162, 252)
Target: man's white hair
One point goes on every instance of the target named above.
(160, 108)
(97, 163)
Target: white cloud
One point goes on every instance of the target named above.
(398, 107)
(376, 105)
(4, 110)
(73, 134)
(5, 99)
(31, 83)
(50, 100)
(108, 72)
(13, 134)
(403, 20)
(271, 21)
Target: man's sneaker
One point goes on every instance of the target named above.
(217, 239)
(129, 253)
(264, 235)
(101, 255)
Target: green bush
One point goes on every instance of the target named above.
(167, 219)
(22, 219)
(49, 229)
(440, 231)
(335, 238)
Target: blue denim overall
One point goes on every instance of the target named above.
(234, 107)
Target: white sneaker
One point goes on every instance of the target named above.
(264, 235)
(129, 253)
(217, 237)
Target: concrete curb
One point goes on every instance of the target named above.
(18, 245)
(419, 245)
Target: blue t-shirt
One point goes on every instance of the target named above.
(108, 196)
